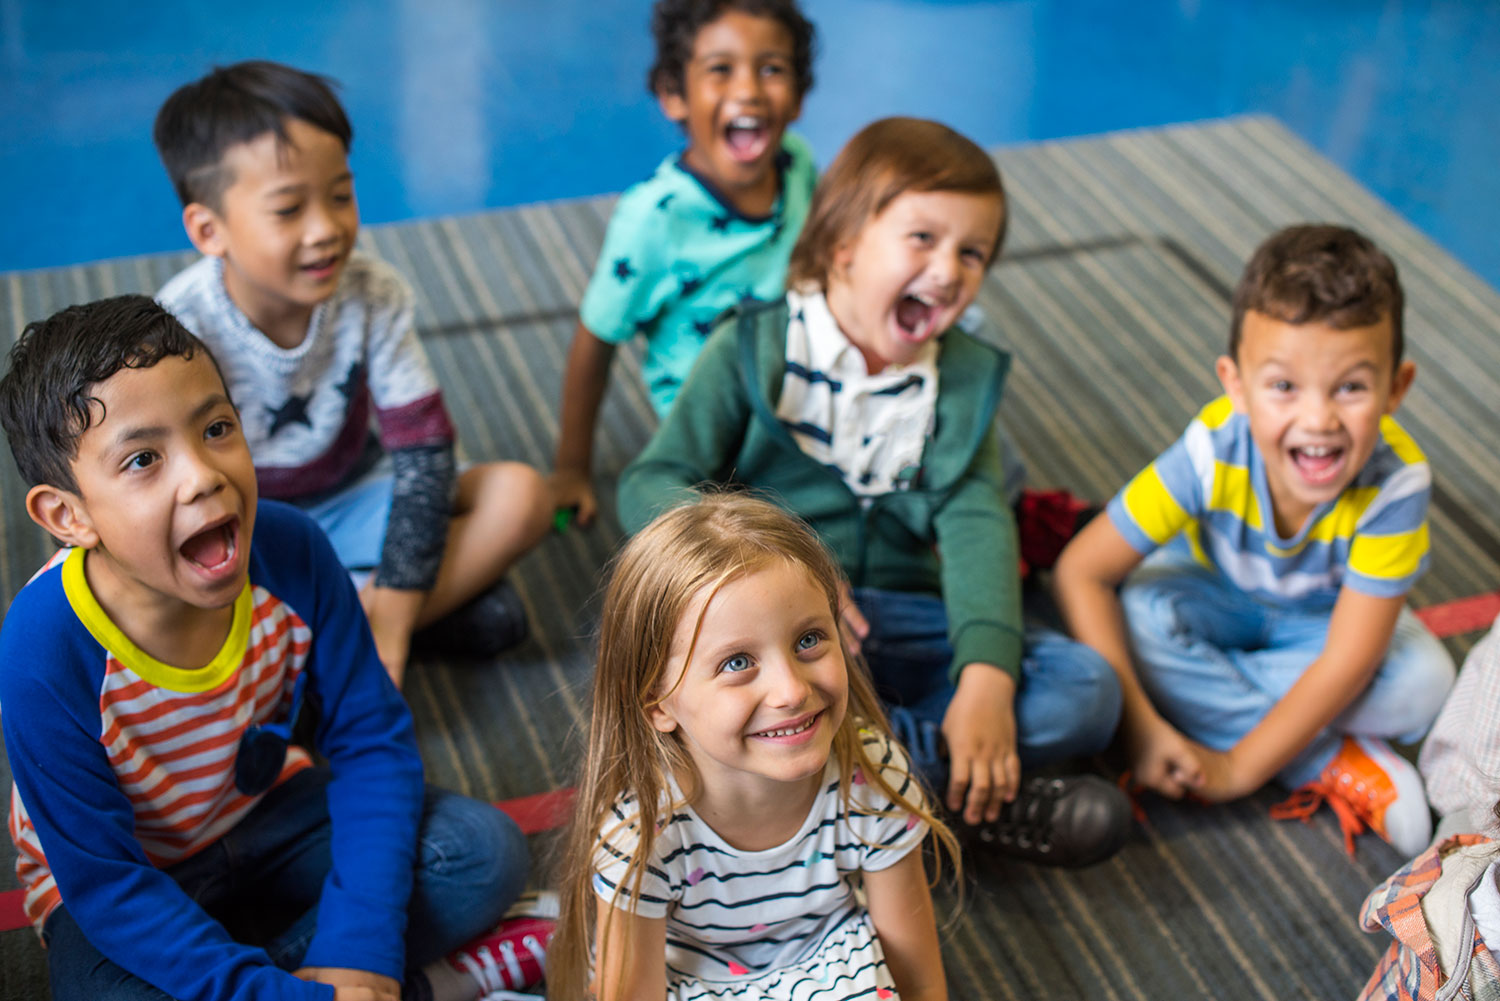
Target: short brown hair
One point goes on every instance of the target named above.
(883, 160)
(1320, 274)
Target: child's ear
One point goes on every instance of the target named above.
(661, 719)
(204, 228)
(840, 259)
(673, 105)
(1400, 383)
(1229, 377)
(62, 515)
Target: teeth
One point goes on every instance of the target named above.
(788, 733)
(1316, 451)
(744, 122)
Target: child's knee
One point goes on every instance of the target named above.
(513, 493)
(1413, 683)
(464, 841)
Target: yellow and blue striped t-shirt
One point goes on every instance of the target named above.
(1210, 487)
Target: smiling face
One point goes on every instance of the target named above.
(1314, 396)
(285, 226)
(739, 95)
(765, 688)
(909, 272)
(166, 493)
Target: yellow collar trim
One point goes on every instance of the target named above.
(162, 675)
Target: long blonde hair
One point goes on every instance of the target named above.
(705, 543)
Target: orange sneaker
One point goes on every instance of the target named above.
(1367, 784)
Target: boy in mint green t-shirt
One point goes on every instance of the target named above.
(714, 225)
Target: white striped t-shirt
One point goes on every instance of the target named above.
(734, 914)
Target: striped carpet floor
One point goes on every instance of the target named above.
(1113, 296)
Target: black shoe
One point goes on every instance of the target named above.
(491, 622)
(1073, 822)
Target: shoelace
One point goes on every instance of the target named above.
(486, 970)
(1302, 804)
(1026, 821)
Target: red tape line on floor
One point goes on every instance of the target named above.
(1466, 615)
(532, 814)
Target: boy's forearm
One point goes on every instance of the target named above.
(376, 793)
(1359, 633)
(584, 382)
(417, 529)
(1325, 689)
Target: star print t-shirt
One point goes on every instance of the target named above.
(676, 256)
(737, 915)
(307, 410)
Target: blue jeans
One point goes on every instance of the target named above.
(1215, 660)
(262, 880)
(1067, 702)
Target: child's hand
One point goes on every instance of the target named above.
(573, 489)
(856, 626)
(1221, 778)
(392, 615)
(984, 769)
(1164, 760)
(352, 985)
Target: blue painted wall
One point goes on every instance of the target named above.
(460, 105)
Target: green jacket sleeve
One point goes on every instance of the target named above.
(981, 578)
(697, 441)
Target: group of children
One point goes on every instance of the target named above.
(812, 655)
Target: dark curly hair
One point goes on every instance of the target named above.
(46, 397)
(1320, 273)
(233, 105)
(675, 25)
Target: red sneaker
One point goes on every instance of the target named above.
(508, 958)
(1368, 785)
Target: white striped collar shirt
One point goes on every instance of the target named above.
(871, 429)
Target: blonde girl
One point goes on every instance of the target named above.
(741, 784)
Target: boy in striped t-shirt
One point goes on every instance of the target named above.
(1269, 628)
(152, 675)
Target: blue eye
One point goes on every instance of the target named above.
(1281, 386)
(810, 640)
(732, 665)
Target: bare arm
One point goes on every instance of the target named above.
(1358, 635)
(632, 956)
(1085, 580)
(901, 910)
(584, 383)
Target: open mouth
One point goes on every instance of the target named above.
(916, 316)
(1318, 463)
(792, 730)
(214, 548)
(747, 137)
(322, 266)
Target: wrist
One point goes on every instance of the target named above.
(981, 676)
